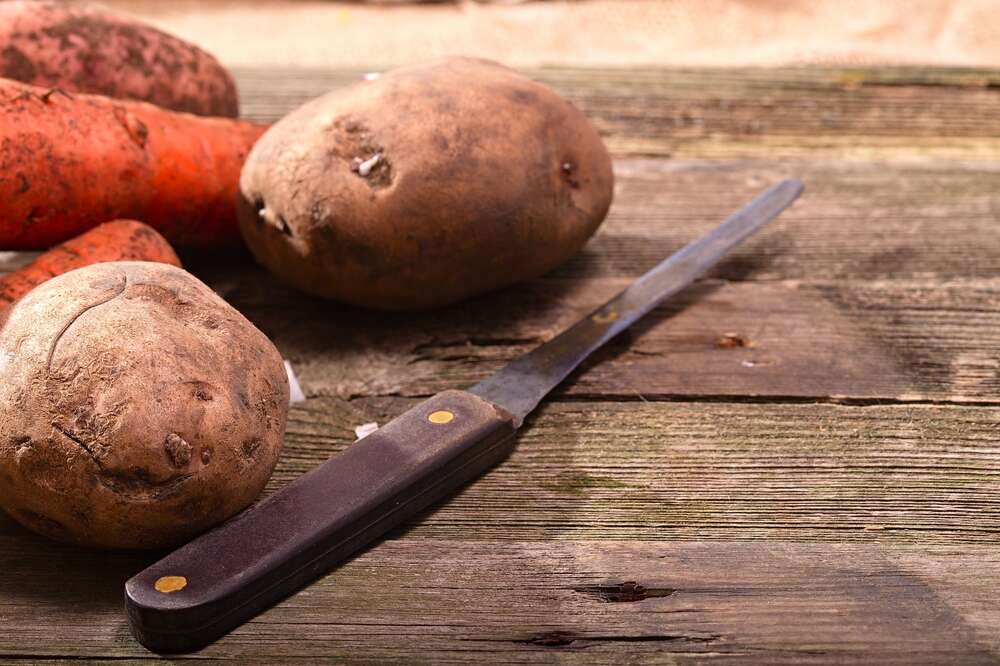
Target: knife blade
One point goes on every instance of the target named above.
(221, 579)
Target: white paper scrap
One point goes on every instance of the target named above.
(365, 429)
(295, 393)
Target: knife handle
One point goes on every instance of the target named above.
(223, 578)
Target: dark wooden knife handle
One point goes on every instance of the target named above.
(223, 578)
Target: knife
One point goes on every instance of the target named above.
(223, 578)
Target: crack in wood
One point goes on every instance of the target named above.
(559, 639)
(765, 399)
(627, 592)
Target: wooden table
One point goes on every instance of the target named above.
(797, 461)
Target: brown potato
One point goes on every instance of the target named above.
(137, 408)
(87, 49)
(424, 186)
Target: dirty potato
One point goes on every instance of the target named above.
(137, 408)
(424, 186)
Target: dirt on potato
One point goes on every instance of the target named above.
(137, 409)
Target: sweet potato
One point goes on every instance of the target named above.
(138, 407)
(90, 50)
(120, 240)
(70, 161)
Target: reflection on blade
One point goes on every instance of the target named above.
(521, 385)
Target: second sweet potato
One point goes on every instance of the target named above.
(118, 240)
(69, 162)
(81, 48)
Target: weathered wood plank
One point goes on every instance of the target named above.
(673, 471)
(881, 284)
(856, 220)
(866, 113)
(899, 340)
(426, 601)
(908, 340)
(676, 471)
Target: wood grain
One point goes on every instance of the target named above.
(797, 460)
(866, 114)
(674, 471)
(912, 340)
(701, 470)
(856, 220)
(881, 283)
(428, 601)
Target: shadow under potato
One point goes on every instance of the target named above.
(75, 579)
(346, 351)
(307, 329)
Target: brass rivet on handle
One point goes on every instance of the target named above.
(168, 584)
(605, 317)
(440, 417)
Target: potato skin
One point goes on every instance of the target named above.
(485, 178)
(90, 50)
(137, 408)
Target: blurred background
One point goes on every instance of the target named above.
(313, 33)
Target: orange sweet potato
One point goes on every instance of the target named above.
(69, 162)
(120, 240)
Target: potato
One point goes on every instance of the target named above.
(424, 186)
(137, 408)
(85, 49)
